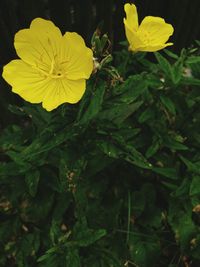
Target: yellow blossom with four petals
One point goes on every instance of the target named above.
(53, 67)
(151, 35)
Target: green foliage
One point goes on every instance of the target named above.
(113, 180)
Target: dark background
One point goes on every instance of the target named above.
(83, 16)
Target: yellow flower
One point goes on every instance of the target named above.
(53, 67)
(151, 35)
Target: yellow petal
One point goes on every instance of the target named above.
(131, 16)
(25, 81)
(63, 91)
(79, 58)
(39, 44)
(32, 87)
(153, 48)
(155, 31)
(133, 39)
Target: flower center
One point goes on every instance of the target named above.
(56, 70)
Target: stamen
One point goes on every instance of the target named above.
(55, 71)
(52, 66)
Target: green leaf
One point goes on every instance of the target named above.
(12, 168)
(48, 254)
(168, 103)
(153, 148)
(32, 179)
(12, 137)
(167, 172)
(144, 253)
(83, 236)
(119, 112)
(169, 141)
(94, 107)
(171, 54)
(183, 189)
(193, 60)
(177, 71)
(190, 81)
(97, 163)
(48, 140)
(173, 73)
(16, 110)
(192, 167)
(164, 65)
(40, 206)
(72, 258)
(146, 115)
(126, 152)
(180, 219)
(137, 203)
(132, 88)
(195, 186)
(29, 242)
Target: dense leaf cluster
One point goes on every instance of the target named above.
(113, 180)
